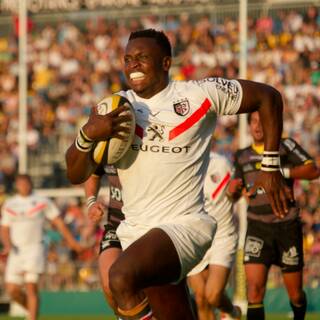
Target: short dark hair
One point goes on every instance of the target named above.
(249, 118)
(159, 36)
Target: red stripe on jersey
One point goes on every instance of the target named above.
(10, 211)
(189, 122)
(139, 131)
(37, 208)
(224, 181)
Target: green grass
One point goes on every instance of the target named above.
(310, 316)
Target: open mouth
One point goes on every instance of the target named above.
(134, 76)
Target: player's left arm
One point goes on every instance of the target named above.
(308, 171)
(300, 164)
(268, 102)
(67, 235)
(244, 96)
(96, 209)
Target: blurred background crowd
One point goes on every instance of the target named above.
(71, 66)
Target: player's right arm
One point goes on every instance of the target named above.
(301, 164)
(236, 186)
(98, 127)
(67, 235)
(5, 231)
(95, 208)
(5, 238)
(234, 189)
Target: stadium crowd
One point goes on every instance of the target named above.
(72, 66)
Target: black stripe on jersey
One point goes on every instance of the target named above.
(267, 155)
(115, 215)
(270, 166)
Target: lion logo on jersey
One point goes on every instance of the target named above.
(155, 131)
(181, 107)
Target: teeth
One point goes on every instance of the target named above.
(136, 75)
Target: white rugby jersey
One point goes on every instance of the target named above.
(216, 181)
(26, 216)
(162, 173)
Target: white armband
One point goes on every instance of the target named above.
(83, 142)
(90, 201)
(270, 161)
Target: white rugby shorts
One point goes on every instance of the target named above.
(25, 264)
(223, 249)
(191, 235)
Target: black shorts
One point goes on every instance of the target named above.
(279, 243)
(109, 237)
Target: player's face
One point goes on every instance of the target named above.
(256, 128)
(146, 67)
(23, 186)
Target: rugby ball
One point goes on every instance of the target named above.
(111, 150)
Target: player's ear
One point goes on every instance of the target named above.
(166, 63)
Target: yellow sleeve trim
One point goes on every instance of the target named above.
(254, 306)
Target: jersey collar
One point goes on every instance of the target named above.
(157, 97)
(258, 148)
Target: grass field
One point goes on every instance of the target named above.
(314, 316)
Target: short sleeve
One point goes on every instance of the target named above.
(225, 95)
(296, 154)
(100, 171)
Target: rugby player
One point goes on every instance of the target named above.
(167, 301)
(22, 231)
(209, 278)
(166, 230)
(269, 239)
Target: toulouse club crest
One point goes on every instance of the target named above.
(181, 107)
(214, 178)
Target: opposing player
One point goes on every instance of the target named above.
(168, 302)
(110, 247)
(270, 240)
(22, 223)
(166, 230)
(209, 278)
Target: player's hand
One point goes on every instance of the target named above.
(112, 125)
(77, 247)
(235, 186)
(278, 192)
(96, 212)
